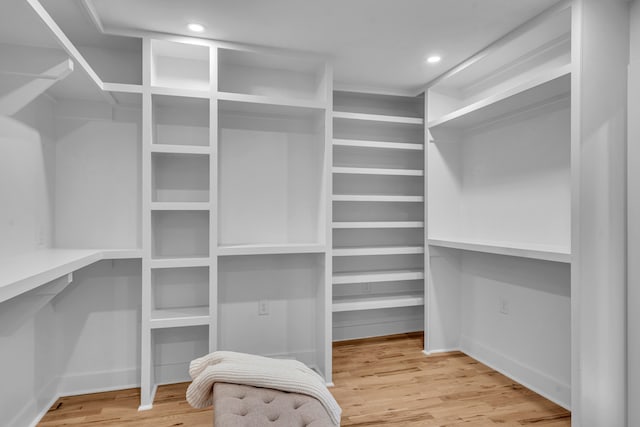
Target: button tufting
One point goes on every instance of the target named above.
(273, 418)
(268, 399)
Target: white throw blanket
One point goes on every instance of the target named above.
(256, 371)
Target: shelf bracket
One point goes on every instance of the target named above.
(20, 97)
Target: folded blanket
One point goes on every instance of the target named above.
(256, 371)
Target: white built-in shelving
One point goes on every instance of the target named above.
(499, 206)
(378, 170)
(234, 205)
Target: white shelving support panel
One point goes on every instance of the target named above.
(378, 224)
(377, 144)
(524, 251)
(378, 118)
(378, 250)
(377, 171)
(179, 317)
(549, 86)
(377, 302)
(377, 198)
(376, 276)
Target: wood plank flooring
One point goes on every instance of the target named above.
(380, 381)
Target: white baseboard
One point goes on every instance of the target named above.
(95, 382)
(357, 330)
(31, 414)
(529, 377)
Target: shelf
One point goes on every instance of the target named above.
(378, 118)
(266, 249)
(379, 224)
(179, 317)
(376, 198)
(377, 302)
(180, 206)
(180, 149)
(24, 272)
(270, 100)
(180, 92)
(379, 250)
(377, 144)
(179, 262)
(376, 276)
(377, 171)
(540, 252)
(551, 85)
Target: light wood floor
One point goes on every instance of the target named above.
(381, 381)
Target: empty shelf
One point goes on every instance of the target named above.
(377, 144)
(378, 171)
(270, 100)
(180, 149)
(180, 206)
(540, 252)
(376, 198)
(379, 250)
(379, 224)
(264, 249)
(180, 262)
(378, 118)
(179, 317)
(377, 302)
(548, 86)
(377, 276)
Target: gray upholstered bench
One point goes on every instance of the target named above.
(237, 405)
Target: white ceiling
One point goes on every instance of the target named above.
(374, 44)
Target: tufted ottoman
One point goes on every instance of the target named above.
(237, 405)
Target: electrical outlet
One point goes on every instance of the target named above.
(263, 308)
(503, 306)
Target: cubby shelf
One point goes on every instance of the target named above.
(378, 224)
(378, 118)
(180, 206)
(548, 86)
(540, 252)
(376, 198)
(180, 149)
(179, 317)
(377, 144)
(187, 93)
(271, 100)
(377, 171)
(265, 249)
(378, 250)
(179, 262)
(376, 276)
(377, 302)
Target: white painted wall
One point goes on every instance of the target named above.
(599, 91)
(26, 179)
(633, 219)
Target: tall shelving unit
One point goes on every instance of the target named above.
(235, 176)
(499, 207)
(378, 247)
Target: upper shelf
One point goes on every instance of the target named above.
(540, 252)
(550, 85)
(22, 273)
(377, 144)
(270, 249)
(378, 118)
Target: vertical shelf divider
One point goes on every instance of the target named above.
(213, 200)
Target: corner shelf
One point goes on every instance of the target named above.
(377, 198)
(376, 276)
(377, 171)
(553, 84)
(179, 317)
(377, 144)
(378, 250)
(524, 251)
(378, 118)
(377, 302)
(378, 224)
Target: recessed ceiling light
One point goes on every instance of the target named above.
(196, 28)
(433, 59)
